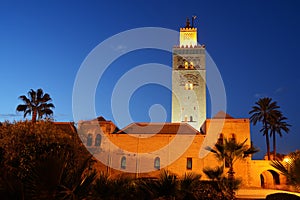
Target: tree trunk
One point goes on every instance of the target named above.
(266, 132)
(231, 173)
(268, 145)
(274, 146)
(231, 181)
(34, 114)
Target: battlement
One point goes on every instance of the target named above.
(188, 29)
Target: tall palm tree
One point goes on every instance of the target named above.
(277, 125)
(264, 110)
(36, 104)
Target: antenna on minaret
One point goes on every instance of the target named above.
(193, 18)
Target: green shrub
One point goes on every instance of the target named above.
(282, 196)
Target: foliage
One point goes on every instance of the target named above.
(36, 104)
(108, 188)
(282, 196)
(188, 185)
(231, 151)
(40, 159)
(55, 178)
(290, 169)
(277, 125)
(214, 174)
(24, 143)
(166, 185)
(264, 111)
(210, 190)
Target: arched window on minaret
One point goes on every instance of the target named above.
(98, 140)
(192, 65)
(186, 65)
(189, 86)
(89, 140)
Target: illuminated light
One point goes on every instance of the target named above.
(192, 65)
(189, 86)
(186, 86)
(186, 65)
(286, 159)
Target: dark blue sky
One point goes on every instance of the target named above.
(255, 45)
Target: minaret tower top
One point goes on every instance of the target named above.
(188, 34)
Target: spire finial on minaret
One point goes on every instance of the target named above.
(187, 23)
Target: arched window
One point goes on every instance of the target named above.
(192, 65)
(123, 162)
(89, 140)
(189, 86)
(98, 140)
(189, 163)
(157, 163)
(186, 65)
(191, 118)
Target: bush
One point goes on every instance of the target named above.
(282, 196)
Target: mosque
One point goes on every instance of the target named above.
(143, 149)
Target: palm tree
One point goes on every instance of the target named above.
(214, 174)
(188, 185)
(165, 187)
(230, 151)
(36, 104)
(264, 110)
(290, 168)
(59, 176)
(277, 125)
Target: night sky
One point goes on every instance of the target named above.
(255, 45)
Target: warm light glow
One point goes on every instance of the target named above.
(188, 37)
(189, 86)
(186, 65)
(287, 159)
(192, 65)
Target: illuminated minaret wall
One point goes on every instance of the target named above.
(189, 79)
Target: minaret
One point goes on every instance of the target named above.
(189, 79)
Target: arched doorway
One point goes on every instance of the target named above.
(269, 179)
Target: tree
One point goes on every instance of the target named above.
(230, 151)
(36, 104)
(264, 110)
(277, 125)
(290, 168)
(188, 185)
(214, 174)
(165, 187)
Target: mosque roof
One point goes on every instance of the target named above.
(158, 128)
